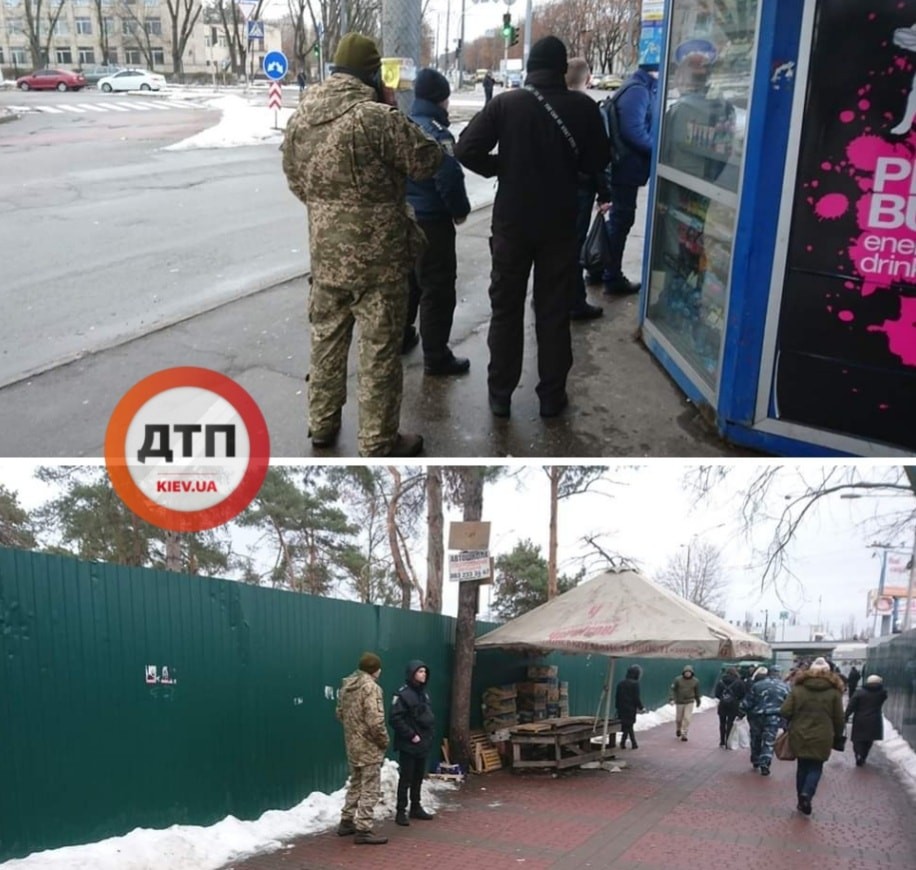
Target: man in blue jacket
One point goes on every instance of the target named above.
(637, 112)
(439, 203)
(413, 722)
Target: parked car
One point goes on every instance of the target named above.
(514, 80)
(608, 83)
(132, 80)
(51, 79)
(94, 73)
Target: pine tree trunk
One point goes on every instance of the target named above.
(435, 550)
(554, 474)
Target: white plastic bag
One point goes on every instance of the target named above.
(740, 735)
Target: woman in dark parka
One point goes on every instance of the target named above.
(628, 704)
(814, 709)
(867, 721)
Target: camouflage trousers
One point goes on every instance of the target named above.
(380, 312)
(363, 793)
(763, 735)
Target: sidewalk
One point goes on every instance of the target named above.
(675, 806)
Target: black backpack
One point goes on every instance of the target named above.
(728, 696)
(609, 112)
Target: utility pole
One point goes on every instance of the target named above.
(401, 38)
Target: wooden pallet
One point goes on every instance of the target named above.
(485, 757)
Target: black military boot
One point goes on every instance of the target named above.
(345, 828)
(401, 818)
(417, 812)
(368, 838)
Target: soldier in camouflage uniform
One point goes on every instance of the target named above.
(360, 709)
(761, 704)
(347, 156)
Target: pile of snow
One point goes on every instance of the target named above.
(240, 124)
(191, 847)
(901, 756)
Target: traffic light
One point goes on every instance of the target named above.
(317, 48)
(507, 25)
(513, 36)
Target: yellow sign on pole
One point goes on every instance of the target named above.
(399, 73)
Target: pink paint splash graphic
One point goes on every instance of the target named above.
(882, 256)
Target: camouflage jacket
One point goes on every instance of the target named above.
(360, 709)
(764, 697)
(348, 157)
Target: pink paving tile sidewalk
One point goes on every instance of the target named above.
(674, 806)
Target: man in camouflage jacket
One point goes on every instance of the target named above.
(761, 704)
(360, 709)
(347, 156)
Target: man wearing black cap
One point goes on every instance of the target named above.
(360, 710)
(347, 155)
(439, 203)
(546, 135)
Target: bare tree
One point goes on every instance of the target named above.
(399, 504)
(101, 17)
(183, 15)
(695, 573)
(435, 549)
(39, 28)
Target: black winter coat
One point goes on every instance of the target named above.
(412, 714)
(865, 708)
(537, 169)
(627, 700)
(735, 685)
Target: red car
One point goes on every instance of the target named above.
(46, 79)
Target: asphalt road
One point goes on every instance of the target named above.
(106, 237)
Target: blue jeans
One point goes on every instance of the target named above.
(623, 215)
(808, 775)
(585, 199)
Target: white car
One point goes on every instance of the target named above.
(132, 80)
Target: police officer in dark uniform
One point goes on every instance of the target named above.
(546, 135)
(439, 203)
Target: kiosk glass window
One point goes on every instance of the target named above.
(703, 117)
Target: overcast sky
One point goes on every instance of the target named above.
(646, 515)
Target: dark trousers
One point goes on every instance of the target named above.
(432, 288)
(626, 731)
(807, 776)
(411, 770)
(861, 748)
(555, 262)
(726, 720)
(622, 217)
(585, 200)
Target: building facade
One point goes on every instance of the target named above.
(133, 33)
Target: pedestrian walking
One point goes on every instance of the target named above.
(413, 723)
(628, 704)
(347, 154)
(761, 704)
(546, 135)
(637, 110)
(439, 203)
(684, 693)
(300, 80)
(360, 709)
(867, 720)
(729, 691)
(852, 680)
(814, 709)
(590, 187)
(487, 87)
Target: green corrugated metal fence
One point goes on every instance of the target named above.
(895, 661)
(89, 749)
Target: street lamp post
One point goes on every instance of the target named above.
(766, 623)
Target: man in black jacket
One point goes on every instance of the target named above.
(547, 135)
(413, 722)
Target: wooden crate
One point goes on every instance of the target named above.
(484, 755)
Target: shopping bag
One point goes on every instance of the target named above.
(744, 733)
(595, 250)
(781, 748)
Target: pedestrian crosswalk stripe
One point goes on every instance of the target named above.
(136, 106)
(111, 107)
(155, 106)
(49, 109)
(92, 107)
(68, 108)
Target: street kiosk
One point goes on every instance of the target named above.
(779, 277)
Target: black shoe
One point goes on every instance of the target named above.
(804, 804)
(634, 745)
(451, 365)
(401, 818)
(418, 812)
(367, 838)
(684, 738)
(411, 339)
(621, 286)
(859, 761)
(677, 733)
(722, 745)
(586, 312)
(406, 445)
(327, 439)
(554, 407)
(623, 745)
(345, 828)
(593, 277)
(499, 407)
(764, 770)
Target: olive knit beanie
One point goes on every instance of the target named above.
(358, 54)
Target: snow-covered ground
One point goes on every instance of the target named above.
(186, 847)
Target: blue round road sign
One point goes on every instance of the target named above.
(275, 65)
